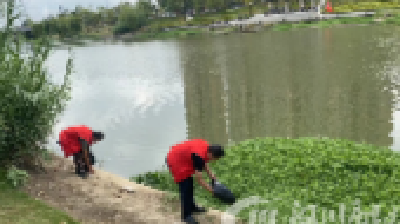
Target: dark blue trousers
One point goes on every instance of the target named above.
(186, 196)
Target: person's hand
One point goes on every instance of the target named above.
(91, 170)
(212, 176)
(213, 180)
(210, 190)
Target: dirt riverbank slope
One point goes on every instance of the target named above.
(104, 197)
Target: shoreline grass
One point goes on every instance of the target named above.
(285, 26)
(313, 171)
(18, 207)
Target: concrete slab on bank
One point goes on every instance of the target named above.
(296, 17)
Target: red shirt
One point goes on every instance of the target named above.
(69, 139)
(180, 160)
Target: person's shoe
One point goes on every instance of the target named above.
(199, 209)
(77, 170)
(190, 220)
(86, 168)
(81, 172)
(83, 175)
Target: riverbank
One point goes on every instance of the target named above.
(225, 29)
(318, 171)
(105, 25)
(104, 197)
(18, 207)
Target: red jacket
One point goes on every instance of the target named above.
(69, 139)
(179, 158)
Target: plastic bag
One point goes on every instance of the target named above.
(222, 193)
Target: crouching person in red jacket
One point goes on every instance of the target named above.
(75, 141)
(184, 160)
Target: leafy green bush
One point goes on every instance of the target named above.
(30, 102)
(16, 176)
(132, 18)
(322, 172)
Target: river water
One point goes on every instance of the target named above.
(146, 96)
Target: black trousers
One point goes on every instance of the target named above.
(80, 162)
(186, 196)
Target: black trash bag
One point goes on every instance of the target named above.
(223, 193)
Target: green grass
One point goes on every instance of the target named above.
(152, 33)
(395, 20)
(170, 34)
(365, 6)
(155, 29)
(18, 208)
(321, 172)
(334, 22)
(209, 18)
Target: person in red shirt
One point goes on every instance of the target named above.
(75, 141)
(188, 158)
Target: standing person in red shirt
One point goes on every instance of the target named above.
(75, 141)
(184, 160)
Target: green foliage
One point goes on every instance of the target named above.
(322, 172)
(127, 20)
(331, 22)
(16, 176)
(18, 207)
(393, 20)
(30, 102)
(132, 18)
(124, 17)
(144, 17)
(67, 25)
(366, 6)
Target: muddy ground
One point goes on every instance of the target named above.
(104, 197)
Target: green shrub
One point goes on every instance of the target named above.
(18, 207)
(132, 18)
(30, 102)
(16, 176)
(365, 6)
(322, 172)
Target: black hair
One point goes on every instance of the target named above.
(217, 151)
(97, 135)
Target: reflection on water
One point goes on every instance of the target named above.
(334, 82)
(310, 82)
(134, 94)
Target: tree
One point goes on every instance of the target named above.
(132, 18)
(75, 24)
(125, 20)
(28, 22)
(176, 6)
(30, 103)
(145, 7)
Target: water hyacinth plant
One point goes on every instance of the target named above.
(314, 171)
